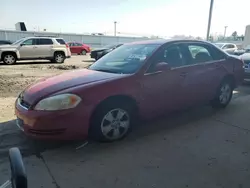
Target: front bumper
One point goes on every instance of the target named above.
(59, 125)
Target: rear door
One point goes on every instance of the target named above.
(78, 48)
(73, 47)
(44, 47)
(202, 73)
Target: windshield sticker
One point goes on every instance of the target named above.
(141, 57)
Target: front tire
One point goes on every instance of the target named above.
(9, 59)
(84, 52)
(224, 94)
(59, 57)
(111, 122)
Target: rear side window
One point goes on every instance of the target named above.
(60, 41)
(45, 42)
(199, 53)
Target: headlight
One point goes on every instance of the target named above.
(58, 102)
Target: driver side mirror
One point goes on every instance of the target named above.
(162, 66)
(22, 44)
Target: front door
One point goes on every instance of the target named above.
(28, 49)
(162, 91)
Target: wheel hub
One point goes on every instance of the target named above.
(115, 124)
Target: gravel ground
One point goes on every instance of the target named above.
(13, 79)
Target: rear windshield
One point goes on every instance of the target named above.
(61, 41)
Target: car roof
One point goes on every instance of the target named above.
(46, 37)
(164, 41)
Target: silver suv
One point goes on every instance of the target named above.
(33, 48)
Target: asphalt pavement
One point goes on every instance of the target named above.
(198, 147)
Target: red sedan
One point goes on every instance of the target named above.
(141, 79)
(79, 48)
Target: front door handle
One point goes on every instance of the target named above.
(34, 46)
(183, 74)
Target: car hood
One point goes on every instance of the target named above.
(8, 46)
(99, 49)
(51, 85)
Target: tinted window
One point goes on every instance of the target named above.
(29, 42)
(60, 41)
(218, 54)
(220, 45)
(126, 59)
(45, 42)
(228, 46)
(199, 53)
(231, 46)
(4, 42)
(78, 44)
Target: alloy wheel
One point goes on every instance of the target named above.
(225, 93)
(115, 124)
(59, 58)
(9, 59)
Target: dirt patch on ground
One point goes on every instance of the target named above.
(14, 79)
(65, 67)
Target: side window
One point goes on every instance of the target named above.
(78, 44)
(231, 46)
(29, 42)
(45, 42)
(199, 53)
(217, 54)
(171, 55)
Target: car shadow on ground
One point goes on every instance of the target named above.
(11, 136)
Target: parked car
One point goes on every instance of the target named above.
(100, 52)
(79, 48)
(246, 59)
(32, 48)
(140, 79)
(5, 42)
(227, 47)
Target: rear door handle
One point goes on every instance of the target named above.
(34, 46)
(183, 74)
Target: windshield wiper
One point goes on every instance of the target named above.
(105, 70)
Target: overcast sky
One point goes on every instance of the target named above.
(151, 17)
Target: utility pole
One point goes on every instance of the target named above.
(210, 18)
(225, 31)
(115, 22)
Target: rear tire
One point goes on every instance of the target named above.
(223, 95)
(9, 59)
(59, 57)
(112, 121)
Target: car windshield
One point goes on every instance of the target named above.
(219, 45)
(18, 42)
(126, 59)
